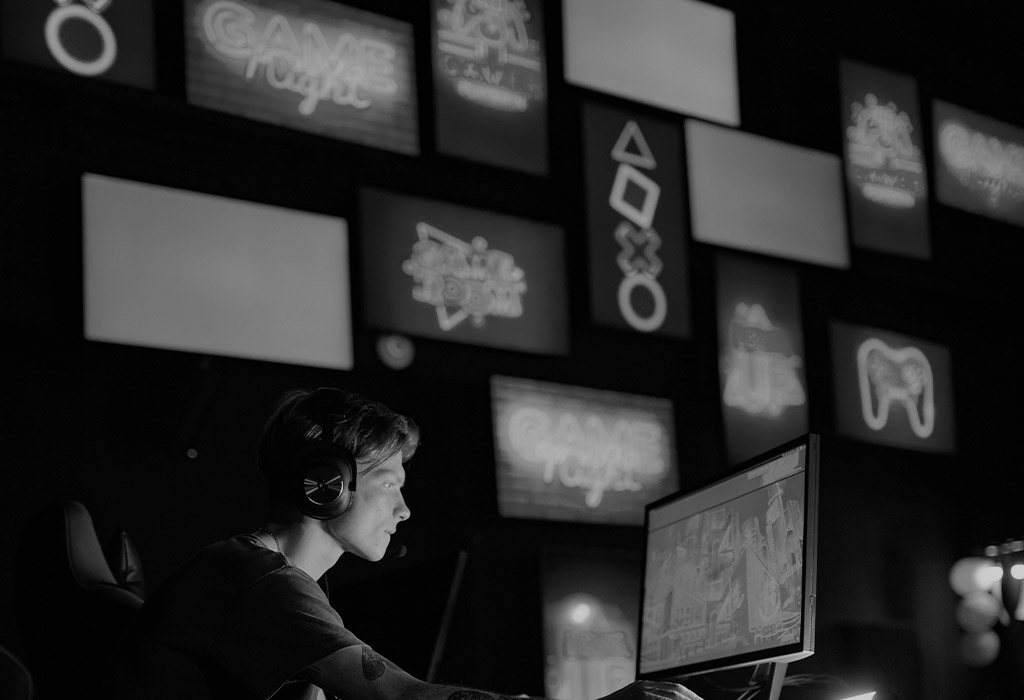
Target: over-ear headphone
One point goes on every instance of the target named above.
(324, 481)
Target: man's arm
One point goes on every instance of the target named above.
(360, 673)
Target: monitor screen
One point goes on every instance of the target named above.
(753, 193)
(310, 65)
(679, 56)
(171, 269)
(729, 571)
(579, 454)
(979, 163)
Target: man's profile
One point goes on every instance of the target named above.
(250, 616)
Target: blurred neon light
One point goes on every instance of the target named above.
(464, 280)
(486, 49)
(760, 377)
(883, 158)
(983, 163)
(642, 270)
(902, 376)
(584, 452)
(310, 66)
(91, 16)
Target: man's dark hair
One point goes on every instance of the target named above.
(368, 429)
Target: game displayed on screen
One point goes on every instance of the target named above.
(886, 177)
(979, 163)
(310, 65)
(679, 56)
(753, 193)
(490, 82)
(579, 454)
(725, 569)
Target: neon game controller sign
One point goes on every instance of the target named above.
(900, 377)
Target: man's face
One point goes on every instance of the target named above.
(366, 528)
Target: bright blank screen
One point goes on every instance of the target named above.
(752, 193)
(674, 54)
(167, 268)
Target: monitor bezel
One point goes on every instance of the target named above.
(785, 653)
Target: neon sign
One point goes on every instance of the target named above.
(983, 163)
(638, 258)
(485, 49)
(91, 12)
(890, 376)
(350, 72)
(463, 280)
(883, 159)
(760, 368)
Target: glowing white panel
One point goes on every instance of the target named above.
(753, 193)
(167, 268)
(674, 54)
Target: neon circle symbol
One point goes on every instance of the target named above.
(90, 68)
(654, 321)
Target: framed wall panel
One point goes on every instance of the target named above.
(636, 227)
(490, 82)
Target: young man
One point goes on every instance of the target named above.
(249, 617)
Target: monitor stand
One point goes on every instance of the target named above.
(770, 675)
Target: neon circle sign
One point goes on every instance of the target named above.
(91, 15)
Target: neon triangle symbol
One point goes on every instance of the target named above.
(631, 134)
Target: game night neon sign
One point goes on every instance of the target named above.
(588, 451)
(348, 68)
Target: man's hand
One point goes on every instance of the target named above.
(653, 690)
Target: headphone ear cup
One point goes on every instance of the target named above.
(323, 489)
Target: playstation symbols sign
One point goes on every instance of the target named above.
(636, 231)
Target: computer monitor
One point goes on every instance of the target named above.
(729, 571)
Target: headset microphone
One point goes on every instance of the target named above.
(396, 552)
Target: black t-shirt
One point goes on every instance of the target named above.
(236, 622)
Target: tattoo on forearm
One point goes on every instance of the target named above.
(373, 664)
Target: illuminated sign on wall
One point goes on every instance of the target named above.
(674, 55)
(91, 38)
(892, 389)
(490, 82)
(753, 193)
(307, 64)
(638, 270)
(590, 614)
(981, 163)
(885, 169)
(761, 356)
(178, 270)
(443, 271)
(572, 453)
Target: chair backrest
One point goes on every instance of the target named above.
(72, 610)
(15, 680)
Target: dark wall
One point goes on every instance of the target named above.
(110, 425)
